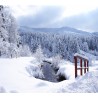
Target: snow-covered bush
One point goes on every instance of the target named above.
(2, 90)
(39, 55)
(89, 56)
(62, 73)
(85, 47)
(13, 91)
(35, 71)
(25, 51)
(55, 61)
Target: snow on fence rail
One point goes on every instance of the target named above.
(84, 64)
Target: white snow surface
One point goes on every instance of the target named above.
(83, 56)
(15, 78)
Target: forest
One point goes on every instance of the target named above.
(65, 42)
(64, 45)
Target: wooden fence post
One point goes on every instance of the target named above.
(81, 66)
(75, 59)
(84, 66)
(87, 66)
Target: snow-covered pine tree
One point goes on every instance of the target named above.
(85, 47)
(39, 54)
(55, 61)
(25, 51)
(13, 33)
(3, 34)
(9, 37)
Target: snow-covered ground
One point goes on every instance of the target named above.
(15, 78)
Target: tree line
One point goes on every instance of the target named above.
(64, 45)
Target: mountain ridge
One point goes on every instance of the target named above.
(61, 30)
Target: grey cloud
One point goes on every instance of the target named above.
(87, 21)
(49, 16)
(44, 17)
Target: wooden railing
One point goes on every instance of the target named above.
(82, 64)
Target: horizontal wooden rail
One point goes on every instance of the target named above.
(83, 68)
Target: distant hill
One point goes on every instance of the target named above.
(62, 30)
(95, 33)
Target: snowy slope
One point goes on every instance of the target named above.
(86, 84)
(15, 78)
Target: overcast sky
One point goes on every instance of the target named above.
(80, 14)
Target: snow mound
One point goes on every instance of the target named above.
(2, 90)
(86, 84)
(66, 69)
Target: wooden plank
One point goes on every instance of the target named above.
(81, 66)
(87, 66)
(81, 57)
(75, 59)
(84, 66)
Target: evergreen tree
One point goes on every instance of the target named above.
(39, 55)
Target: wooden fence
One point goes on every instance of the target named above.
(82, 64)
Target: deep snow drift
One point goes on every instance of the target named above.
(15, 78)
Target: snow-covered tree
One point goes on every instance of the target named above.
(3, 34)
(13, 33)
(39, 55)
(55, 61)
(85, 47)
(35, 71)
(9, 37)
(25, 51)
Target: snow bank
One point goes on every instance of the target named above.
(2, 90)
(80, 55)
(66, 69)
(86, 84)
(15, 78)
